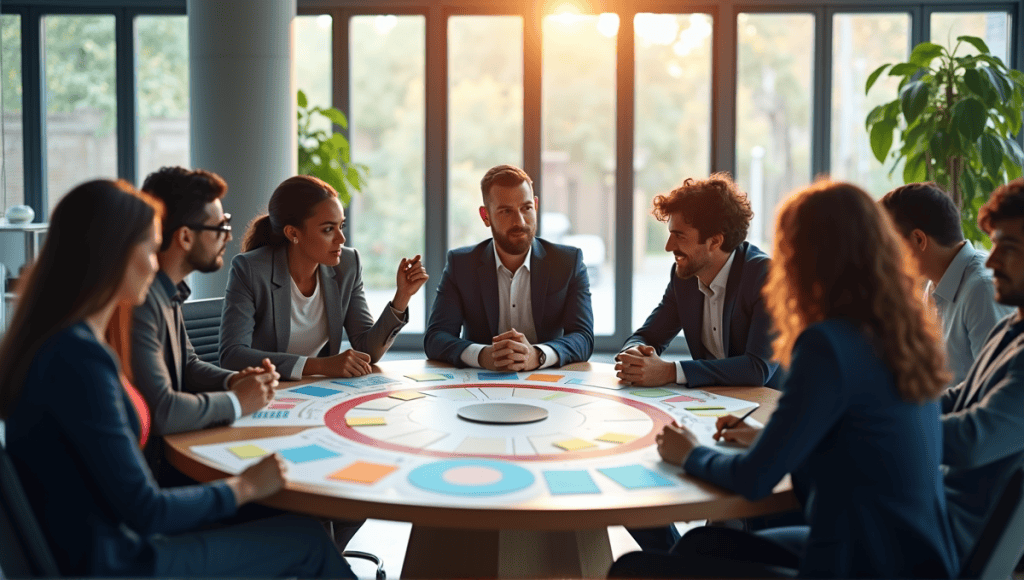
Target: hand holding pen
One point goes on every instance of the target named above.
(734, 430)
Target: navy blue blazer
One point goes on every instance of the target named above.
(467, 302)
(983, 432)
(869, 461)
(746, 331)
(75, 446)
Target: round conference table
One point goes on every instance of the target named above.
(502, 475)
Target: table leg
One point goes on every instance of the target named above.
(446, 553)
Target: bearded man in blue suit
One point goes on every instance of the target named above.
(513, 302)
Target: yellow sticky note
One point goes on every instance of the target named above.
(574, 444)
(543, 377)
(424, 377)
(365, 421)
(710, 413)
(616, 438)
(406, 395)
(247, 451)
(363, 472)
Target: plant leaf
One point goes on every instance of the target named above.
(915, 170)
(913, 99)
(973, 80)
(881, 139)
(977, 42)
(336, 117)
(874, 77)
(996, 80)
(904, 69)
(969, 117)
(924, 53)
(991, 154)
(302, 99)
(876, 115)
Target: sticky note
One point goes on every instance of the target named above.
(570, 482)
(544, 377)
(488, 376)
(635, 477)
(407, 395)
(710, 413)
(367, 381)
(314, 391)
(616, 438)
(289, 400)
(574, 444)
(247, 451)
(683, 399)
(704, 408)
(307, 453)
(424, 377)
(651, 393)
(363, 472)
(554, 396)
(365, 421)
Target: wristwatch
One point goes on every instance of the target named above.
(541, 357)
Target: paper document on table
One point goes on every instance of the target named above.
(310, 446)
(291, 412)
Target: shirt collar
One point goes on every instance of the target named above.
(497, 259)
(718, 284)
(179, 293)
(954, 274)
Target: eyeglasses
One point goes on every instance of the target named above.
(223, 227)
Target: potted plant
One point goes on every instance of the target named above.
(956, 118)
(326, 154)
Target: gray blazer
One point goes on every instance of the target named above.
(983, 432)
(183, 392)
(256, 322)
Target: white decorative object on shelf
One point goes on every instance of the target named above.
(20, 214)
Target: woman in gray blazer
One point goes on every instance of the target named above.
(295, 288)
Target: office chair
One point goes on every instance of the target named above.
(202, 325)
(1001, 543)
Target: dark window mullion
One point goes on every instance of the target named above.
(33, 109)
(126, 98)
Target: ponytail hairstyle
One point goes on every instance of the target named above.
(291, 203)
(92, 233)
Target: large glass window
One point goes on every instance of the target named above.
(992, 27)
(81, 107)
(312, 50)
(387, 128)
(773, 112)
(12, 168)
(577, 196)
(860, 44)
(672, 135)
(485, 121)
(161, 76)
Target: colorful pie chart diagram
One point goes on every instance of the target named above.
(471, 477)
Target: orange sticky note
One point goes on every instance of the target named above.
(365, 421)
(616, 438)
(406, 395)
(247, 451)
(545, 378)
(574, 444)
(363, 472)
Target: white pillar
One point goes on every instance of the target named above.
(242, 103)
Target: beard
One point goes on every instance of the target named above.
(509, 246)
(693, 265)
(1012, 297)
(204, 265)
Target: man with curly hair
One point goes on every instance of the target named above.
(713, 295)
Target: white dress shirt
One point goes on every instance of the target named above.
(714, 308)
(515, 310)
(308, 333)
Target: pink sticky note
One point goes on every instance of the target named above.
(683, 399)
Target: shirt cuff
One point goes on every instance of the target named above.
(300, 365)
(550, 356)
(471, 355)
(227, 381)
(235, 404)
(401, 316)
(680, 374)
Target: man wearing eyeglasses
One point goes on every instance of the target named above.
(183, 392)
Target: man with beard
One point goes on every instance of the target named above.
(513, 302)
(983, 417)
(183, 392)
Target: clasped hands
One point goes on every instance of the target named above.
(254, 386)
(509, 351)
(642, 367)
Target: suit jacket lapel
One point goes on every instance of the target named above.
(539, 279)
(691, 314)
(984, 375)
(487, 276)
(175, 341)
(281, 293)
(732, 286)
(332, 303)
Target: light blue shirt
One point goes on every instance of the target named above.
(965, 300)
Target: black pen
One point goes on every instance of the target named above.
(737, 422)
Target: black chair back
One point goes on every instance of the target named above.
(1002, 541)
(24, 552)
(202, 325)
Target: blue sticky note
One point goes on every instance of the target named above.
(270, 415)
(307, 453)
(489, 376)
(635, 477)
(569, 482)
(367, 381)
(314, 391)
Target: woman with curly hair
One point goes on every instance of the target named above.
(857, 425)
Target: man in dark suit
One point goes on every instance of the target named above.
(713, 295)
(983, 417)
(513, 302)
(183, 392)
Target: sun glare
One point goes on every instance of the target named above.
(608, 24)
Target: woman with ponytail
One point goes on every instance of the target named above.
(296, 287)
(72, 433)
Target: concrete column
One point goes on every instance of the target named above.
(242, 101)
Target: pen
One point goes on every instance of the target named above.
(740, 420)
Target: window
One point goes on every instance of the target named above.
(312, 46)
(387, 129)
(992, 27)
(81, 142)
(161, 77)
(12, 169)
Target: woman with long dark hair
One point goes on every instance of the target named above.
(72, 430)
(857, 425)
(296, 287)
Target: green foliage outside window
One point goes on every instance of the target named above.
(326, 154)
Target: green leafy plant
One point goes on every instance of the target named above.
(956, 118)
(326, 154)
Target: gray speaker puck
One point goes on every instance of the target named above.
(503, 413)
